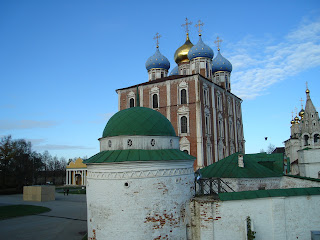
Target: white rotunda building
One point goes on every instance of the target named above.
(139, 185)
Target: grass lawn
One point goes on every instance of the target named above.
(12, 211)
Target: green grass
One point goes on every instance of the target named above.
(12, 211)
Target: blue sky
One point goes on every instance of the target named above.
(61, 61)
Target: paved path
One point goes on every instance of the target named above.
(66, 220)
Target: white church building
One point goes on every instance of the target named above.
(303, 146)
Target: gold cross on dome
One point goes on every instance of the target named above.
(186, 25)
(307, 85)
(157, 39)
(218, 41)
(292, 114)
(198, 26)
(301, 103)
(296, 111)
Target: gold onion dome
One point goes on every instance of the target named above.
(292, 121)
(181, 55)
(301, 113)
(296, 119)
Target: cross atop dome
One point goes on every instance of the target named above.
(157, 39)
(218, 41)
(198, 26)
(186, 25)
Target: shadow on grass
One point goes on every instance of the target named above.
(13, 211)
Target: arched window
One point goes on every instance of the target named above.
(316, 138)
(155, 101)
(183, 96)
(184, 124)
(306, 139)
(131, 102)
(186, 151)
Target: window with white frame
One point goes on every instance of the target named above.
(130, 99)
(184, 124)
(219, 101)
(155, 102)
(183, 93)
(230, 112)
(207, 122)
(220, 127)
(183, 121)
(154, 97)
(206, 95)
(231, 132)
(131, 102)
(183, 96)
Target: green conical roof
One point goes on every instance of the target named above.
(138, 121)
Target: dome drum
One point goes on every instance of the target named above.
(138, 142)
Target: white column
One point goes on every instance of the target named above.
(82, 178)
(74, 177)
(66, 176)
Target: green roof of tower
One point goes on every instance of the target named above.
(138, 121)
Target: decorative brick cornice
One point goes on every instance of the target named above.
(139, 174)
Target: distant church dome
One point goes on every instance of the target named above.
(219, 63)
(200, 50)
(181, 54)
(138, 121)
(175, 71)
(157, 60)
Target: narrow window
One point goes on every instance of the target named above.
(155, 101)
(153, 76)
(131, 102)
(316, 138)
(306, 138)
(184, 71)
(184, 122)
(183, 96)
(162, 75)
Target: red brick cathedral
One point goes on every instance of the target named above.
(196, 97)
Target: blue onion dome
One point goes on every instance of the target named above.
(174, 71)
(157, 60)
(200, 50)
(219, 63)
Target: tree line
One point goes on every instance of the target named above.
(20, 165)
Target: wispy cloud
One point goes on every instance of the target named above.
(25, 124)
(258, 64)
(38, 144)
(59, 147)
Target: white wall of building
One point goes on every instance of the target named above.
(139, 200)
(275, 218)
(309, 162)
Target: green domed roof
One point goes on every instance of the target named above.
(138, 121)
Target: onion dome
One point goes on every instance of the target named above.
(200, 50)
(292, 121)
(296, 119)
(219, 63)
(175, 71)
(138, 121)
(181, 54)
(157, 60)
(301, 113)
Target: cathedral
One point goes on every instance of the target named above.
(195, 97)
